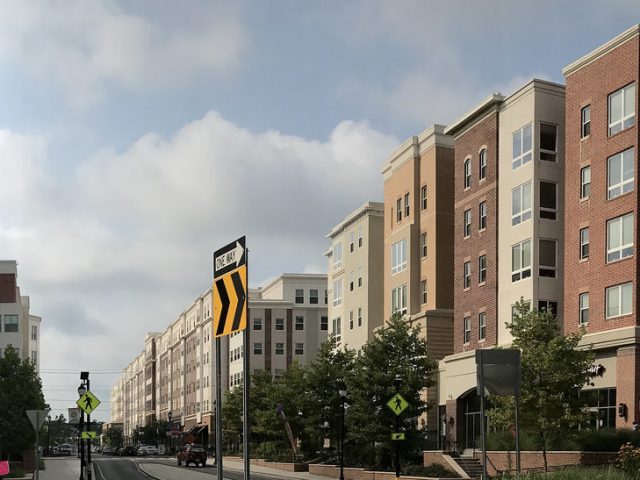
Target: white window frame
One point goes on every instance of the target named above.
(522, 214)
(257, 348)
(337, 255)
(622, 250)
(618, 291)
(482, 269)
(627, 120)
(466, 223)
(299, 323)
(399, 300)
(583, 308)
(584, 243)
(423, 291)
(257, 322)
(337, 292)
(279, 347)
(336, 324)
(522, 156)
(482, 164)
(359, 316)
(423, 245)
(399, 210)
(625, 185)
(482, 214)
(550, 212)
(524, 269)
(467, 329)
(585, 183)
(351, 320)
(279, 326)
(299, 349)
(423, 198)
(399, 256)
(406, 205)
(547, 271)
(466, 275)
(482, 326)
(585, 123)
(467, 173)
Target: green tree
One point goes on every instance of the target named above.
(397, 349)
(554, 371)
(114, 437)
(20, 390)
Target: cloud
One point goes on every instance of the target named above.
(84, 46)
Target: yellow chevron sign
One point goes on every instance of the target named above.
(230, 289)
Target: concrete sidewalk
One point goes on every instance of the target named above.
(60, 468)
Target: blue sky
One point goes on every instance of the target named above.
(137, 137)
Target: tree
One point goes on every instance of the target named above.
(114, 438)
(397, 349)
(554, 371)
(20, 390)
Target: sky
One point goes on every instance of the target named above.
(137, 137)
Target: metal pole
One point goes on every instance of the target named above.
(88, 430)
(219, 408)
(82, 464)
(397, 429)
(341, 437)
(482, 424)
(517, 436)
(35, 471)
(246, 446)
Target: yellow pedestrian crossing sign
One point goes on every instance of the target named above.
(88, 435)
(88, 402)
(395, 436)
(397, 404)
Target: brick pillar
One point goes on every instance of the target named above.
(628, 384)
(455, 430)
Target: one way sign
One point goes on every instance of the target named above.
(230, 288)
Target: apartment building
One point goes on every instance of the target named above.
(355, 276)
(18, 327)
(509, 185)
(601, 218)
(418, 240)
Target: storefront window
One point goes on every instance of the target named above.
(602, 407)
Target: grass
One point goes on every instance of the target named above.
(578, 473)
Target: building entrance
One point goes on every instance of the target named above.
(472, 424)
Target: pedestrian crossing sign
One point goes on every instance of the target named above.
(396, 436)
(397, 404)
(88, 402)
(89, 435)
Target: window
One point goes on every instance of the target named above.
(585, 182)
(299, 295)
(299, 349)
(622, 109)
(423, 245)
(467, 223)
(482, 269)
(399, 256)
(257, 324)
(313, 296)
(483, 164)
(547, 258)
(548, 142)
(548, 200)
(423, 198)
(337, 255)
(521, 204)
(467, 329)
(299, 323)
(406, 204)
(399, 300)
(521, 261)
(337, 292)
(351, 320)
(359, 276)
(620, 173)
(324, 323)
(351, 281)
(423, 290)
(619, 300)
(584, 308)
(359, 237)
(584, 243)
(337, 329)
(515, 312)
(399, 210)
(10, 323)
(521, 141)
(279, 348)
(279, 323)
(326, 296)
(257, 348)
(359, 316)
(352, 241)
(482, 214)
(34, 332)
(585, 121)
(34, 357)
(620, 238)
(548, 306)
(467, 274)
(482, 326)
(467, 173)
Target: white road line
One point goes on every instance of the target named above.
(96, 466)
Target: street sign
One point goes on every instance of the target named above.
(74, 415)
(88, 402)
(396, 436)
(37, 418)
(230, 288)
(397, 404)
(89, 435)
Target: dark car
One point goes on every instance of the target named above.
(192, 453)
(127, 451)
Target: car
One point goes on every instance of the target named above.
(65, 449)
(192, 453)
(107, 450)
(127, 451)
(144, 450)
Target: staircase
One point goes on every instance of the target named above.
(471, 465)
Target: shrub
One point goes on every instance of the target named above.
(433, 470)
(629, 461)
(606, 440)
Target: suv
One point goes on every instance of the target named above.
(192, 453)
(144, 450)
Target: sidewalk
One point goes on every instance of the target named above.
(60, 468)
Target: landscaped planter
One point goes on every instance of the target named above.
(533, 460)
(350, 473)
(287, 467)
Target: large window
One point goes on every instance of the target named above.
(482, 269)
(482, 326)
(467, 275)
(622, 109)
(337, 292)
(337, 329)
(547, 258)
(619, 301)
(313, 296)
(620, 173)
(299, 295)
(602, 408)
(585, 121)
(467, 329)
(257, 324)
(299, 350)
(585, 182)
(483, 164)
(299, 323)
(548, 142)
(337, 255)
(522, 147)
(423, 198)
(583, 302)
(279, 323)
(620, 238)
(324, 323)
(10, 323)
(550, 306)
(467, 173)
(548, 200)
(399, 256)
(521, 203)
(482, 214)
(467, 223)
(279, 348)
(257, 348)
(521, 260)
(399, 300)
(584, 243)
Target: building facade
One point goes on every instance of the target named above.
(355, 278)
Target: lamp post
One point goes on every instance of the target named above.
(169, 417)
(82, 389)
(49, 435)
(396, 383)
(343, 396)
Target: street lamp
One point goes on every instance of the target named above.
(343, 396)
(169, 417)
(49, 435)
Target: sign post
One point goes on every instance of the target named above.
(230, 312)
(397, 404)
(37, 418)
(88, 402)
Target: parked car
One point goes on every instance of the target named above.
(144, 450)
(127, 451)
(65, 449)
(107, 450)
(192, 453)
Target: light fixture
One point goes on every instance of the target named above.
(82, 389)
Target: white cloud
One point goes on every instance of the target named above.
(85, 45)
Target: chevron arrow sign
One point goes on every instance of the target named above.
(230, 288)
